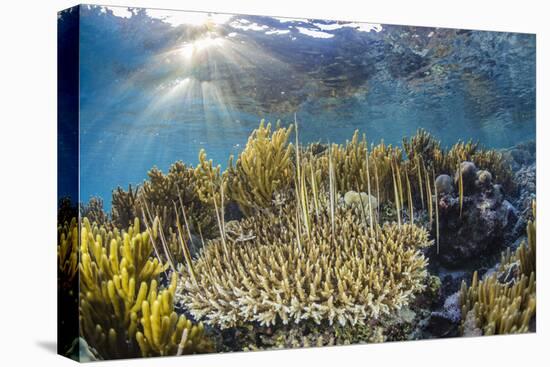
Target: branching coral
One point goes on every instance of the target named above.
(208, 179)
(124, 206)
(350, 164)
(490, 160)
(122, 312)
(351, 171)
(67, 251)
(505, 302)
(283, 275)
(265, 175)
(164, 333)
(66, 210)
(524, 258)
(161, 191)
(500, 308)
(385, 158)
(67, 284)
(309, 334)
(93, 210)
(425, 147)
(263, 169)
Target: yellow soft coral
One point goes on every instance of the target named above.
(67, 250)
(119, 288)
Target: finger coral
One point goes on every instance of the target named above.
(67, 284)
(505, 302)
(499, 308)
(282, 275)
(165, 333)
(262, 170)
(123, 313)
(525, 256)
(67, 251)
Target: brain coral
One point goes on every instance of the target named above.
(283, 274)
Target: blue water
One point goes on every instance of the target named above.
(156, 87)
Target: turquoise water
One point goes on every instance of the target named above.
(156, 87)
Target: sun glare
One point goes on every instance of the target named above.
(191, 49)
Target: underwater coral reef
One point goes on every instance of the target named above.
(505, 301)
(292, 245)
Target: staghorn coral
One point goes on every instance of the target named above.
(504, 302)
(265, 176)
(122, 311)
(263, 169)
(306, 334)
(161, 191)
(188, 185)
(284, 276)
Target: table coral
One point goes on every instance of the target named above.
(285, 276)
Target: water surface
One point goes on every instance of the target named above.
(157, 86)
